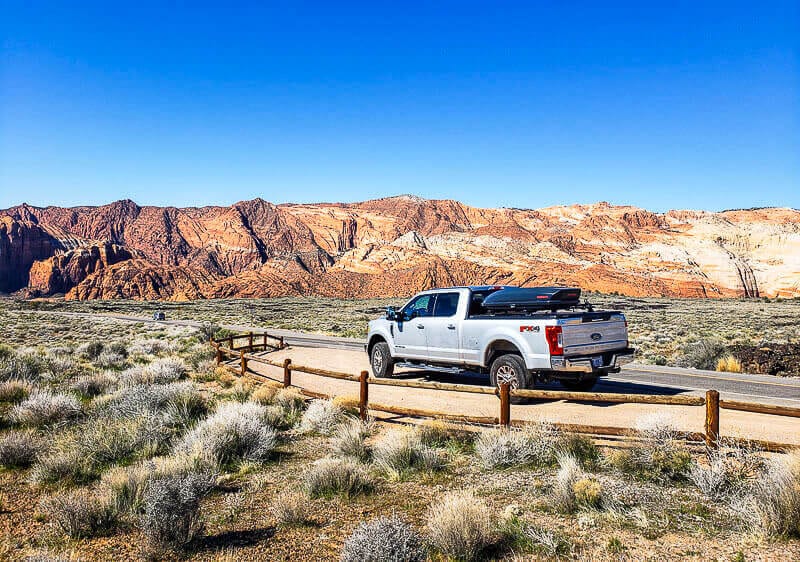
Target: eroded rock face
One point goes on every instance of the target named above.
(393, 247)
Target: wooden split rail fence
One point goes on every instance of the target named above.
(226, 347)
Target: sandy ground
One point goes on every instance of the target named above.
(688, 418)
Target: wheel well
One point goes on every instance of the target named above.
(498, 348)
(372, 341)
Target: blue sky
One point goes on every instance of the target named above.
(526, 104)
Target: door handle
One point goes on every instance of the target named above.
(451, 326)
(420, 326)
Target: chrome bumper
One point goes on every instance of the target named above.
(586, 364)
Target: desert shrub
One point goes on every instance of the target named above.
(127, 484)
(142, 399)
(659, 455)
(329, 477)
(581, 447)
(80, 513)
(5, 351)
(207, 331)
(461, 525)
(385, 539)
(729, 364)
(198, 354)
(90, 386)
(401, 451)
(235, 432)
(534, 444)
(290, 509)
(702, 354)
(14, 390)
(118, 347)
(43, 408)
(321, 416)
(771, 505)
(172, 517)
(727, 471)
(438, 433)
(110, 360)
(81, 454)
(61, 367)
(90, 350)
(204, 371)
(20, 448)
(166, 370)
(350, 438)
(148, 347)
(24, 364)
(572, 488)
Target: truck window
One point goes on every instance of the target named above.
(422, 306)
(446, 304)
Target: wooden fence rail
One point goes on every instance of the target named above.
(711, 401)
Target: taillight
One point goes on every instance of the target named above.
(555, 339)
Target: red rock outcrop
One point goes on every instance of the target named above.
(392, 246)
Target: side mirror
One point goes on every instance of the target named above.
(391, 313)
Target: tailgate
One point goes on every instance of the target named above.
(594, 333)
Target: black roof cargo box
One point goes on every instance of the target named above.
(533, 298)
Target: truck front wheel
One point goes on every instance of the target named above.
(381, 360)
(510, 368)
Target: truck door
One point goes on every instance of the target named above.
(410, 338)
(442, 329)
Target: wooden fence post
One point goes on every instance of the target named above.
(505, 404)
(363, 399)
(230, 343)
(265, 341)
(287, 372)
(281, 343)
(250, 341)
(243, 361)
(712, 419)
(219, 356)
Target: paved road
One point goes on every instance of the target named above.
(634, 378)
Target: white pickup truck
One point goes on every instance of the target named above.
(516, 335)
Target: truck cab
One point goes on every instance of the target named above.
(540, 334)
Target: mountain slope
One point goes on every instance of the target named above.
(391, 247)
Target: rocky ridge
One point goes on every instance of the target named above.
(392, 247)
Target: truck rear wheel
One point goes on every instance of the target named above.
(510, 368)
(381, 360)
(584, 385)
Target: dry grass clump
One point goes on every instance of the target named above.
(322, 417)
(771, 505)
(401, 451)
(348, 404)
(659, 455)
(582, 448)
(330, 476)
(534, 444)
(20, 449)
(155, 399)
(148, 347)
(236, 432)
(90, 386)
(45, 408)
(171, 517)
(573, 488)
(240, 392)
(727, 471)
(350, 440)
(13, 391)
(384, 539)
(290, 509)
(461, 526)
(90, 350)
(80, 513)
(729, 364)
(22, 364)
(161, 371)
(110, 360)
(264, 395)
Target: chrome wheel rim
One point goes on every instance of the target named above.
(506, 374)
(377, 361)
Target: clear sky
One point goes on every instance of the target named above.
(663, 105)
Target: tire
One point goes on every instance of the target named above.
(584, 385)
(510, 367)
(380, 359)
